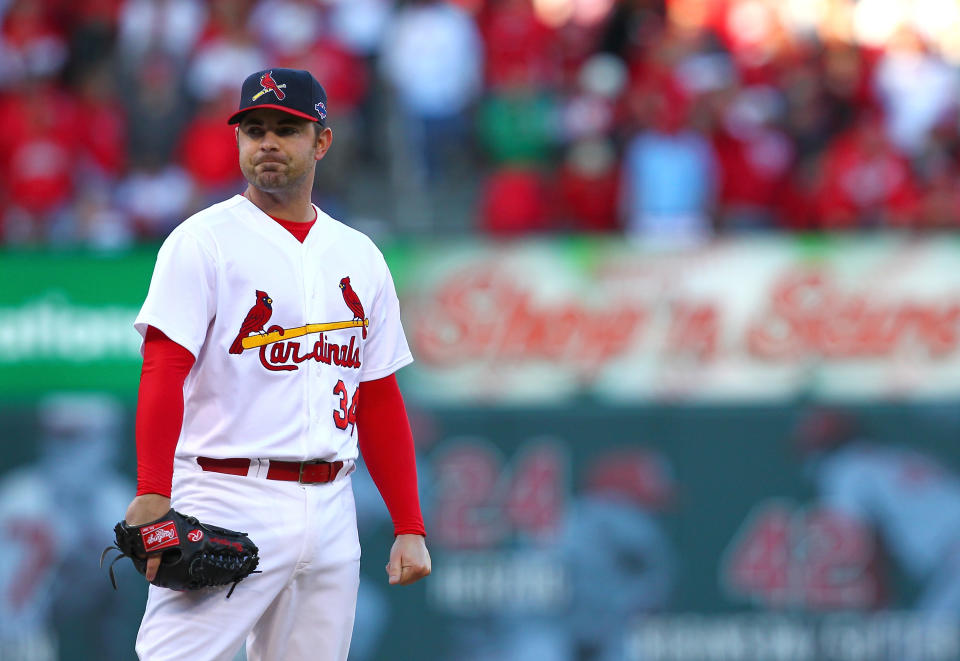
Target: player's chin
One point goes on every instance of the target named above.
(271, 181)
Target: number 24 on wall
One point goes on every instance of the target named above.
(482, 498)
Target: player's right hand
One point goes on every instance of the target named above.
(143, 509)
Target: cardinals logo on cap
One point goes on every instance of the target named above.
(270, 85)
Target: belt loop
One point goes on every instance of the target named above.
(300, 477)
(346, 469)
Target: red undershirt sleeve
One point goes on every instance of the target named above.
(386, 443)
(159, 410)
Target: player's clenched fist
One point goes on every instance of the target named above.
(409, 560)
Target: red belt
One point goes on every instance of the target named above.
(304, 472)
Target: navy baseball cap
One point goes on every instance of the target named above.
(291, 90)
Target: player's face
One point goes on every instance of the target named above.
(278, 151)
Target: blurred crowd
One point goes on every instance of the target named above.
(670, 121)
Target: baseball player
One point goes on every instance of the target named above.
(908, 498)
(271, 335)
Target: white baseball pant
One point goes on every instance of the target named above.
(302, 604)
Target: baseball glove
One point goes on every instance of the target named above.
(194, 555)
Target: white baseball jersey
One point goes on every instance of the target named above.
(230, 275)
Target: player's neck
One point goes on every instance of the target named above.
(296, 208)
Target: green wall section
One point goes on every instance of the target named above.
(66, 321)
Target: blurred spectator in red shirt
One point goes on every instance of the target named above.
(208, 152)
(588, 187)
(517, 44)
(514, 201)
(865, 182)
(41, 149)
(796, 205)
(755, 159)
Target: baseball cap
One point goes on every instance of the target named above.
(291, 90)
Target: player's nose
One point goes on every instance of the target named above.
(269, 141)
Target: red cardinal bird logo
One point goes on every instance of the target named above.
(270, 85)
(255, 320)
(353, 302)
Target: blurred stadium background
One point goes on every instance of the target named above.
(682, 280)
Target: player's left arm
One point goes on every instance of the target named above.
(386, 443)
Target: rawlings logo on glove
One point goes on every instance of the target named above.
(194, 555)
(159, 536)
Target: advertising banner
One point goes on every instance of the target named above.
(747, 320)
(66, 321)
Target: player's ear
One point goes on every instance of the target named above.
(236, 134)
(324, 140)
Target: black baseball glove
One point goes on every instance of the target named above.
(194, 555)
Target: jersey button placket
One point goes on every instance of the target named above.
(310, 390)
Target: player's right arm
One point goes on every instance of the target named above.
(173, 322)
(159, 419)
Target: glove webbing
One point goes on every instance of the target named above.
(227, 562)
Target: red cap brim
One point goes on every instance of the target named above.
(235, 117)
